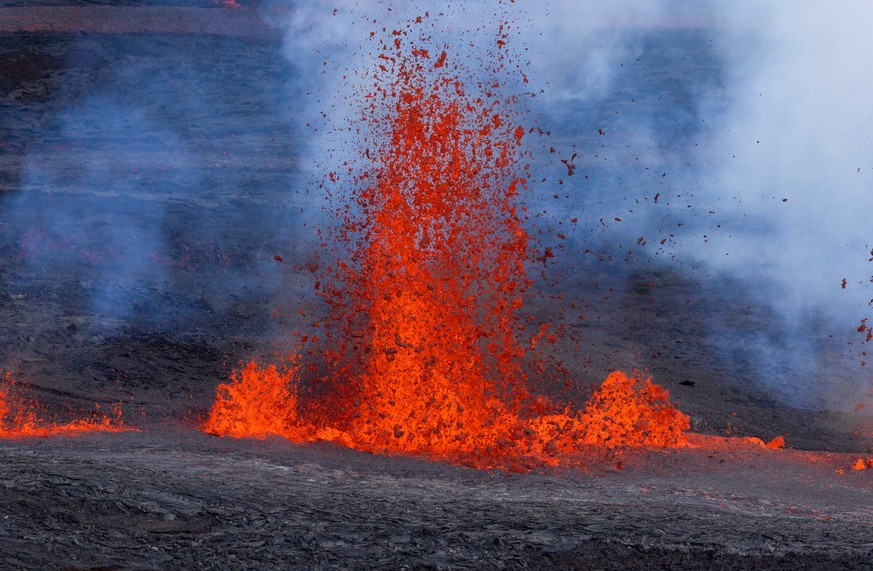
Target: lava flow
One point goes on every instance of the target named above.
(422, 349)
(19, 418)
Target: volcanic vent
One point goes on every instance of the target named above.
(422, 350)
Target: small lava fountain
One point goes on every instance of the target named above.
(20, 418)
(423, 338)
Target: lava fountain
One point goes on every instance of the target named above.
(20, 418)
(422, 349)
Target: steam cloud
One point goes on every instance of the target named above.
(761, 157)
(793, 179)
(766, 148)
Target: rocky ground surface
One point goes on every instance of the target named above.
(151, 237)
(181, 498)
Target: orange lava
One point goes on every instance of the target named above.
(19, 418)
(863, 464)
(776, 443)
(258, 401)
(624, 411)
(425, 347)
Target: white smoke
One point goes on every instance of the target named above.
(767, 141)
(799, 128)
(792, 178)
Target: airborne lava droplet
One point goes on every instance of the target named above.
(441, 61)
(422, 352)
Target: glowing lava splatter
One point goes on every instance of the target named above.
(423, 342)
(19, 418)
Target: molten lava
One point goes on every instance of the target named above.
(20, 418)
(258, 401)
(423, 341)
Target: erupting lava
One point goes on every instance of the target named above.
(423, 349)
(19, 418)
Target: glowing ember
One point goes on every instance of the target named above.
(425, 352)
(776, 443)
(19, 418)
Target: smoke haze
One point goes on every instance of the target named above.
(137, 194)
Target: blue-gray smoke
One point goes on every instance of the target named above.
(159, 186)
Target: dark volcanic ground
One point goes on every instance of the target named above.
(179, 498)
(147, 182)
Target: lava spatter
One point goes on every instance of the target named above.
(423, 336)
(20, 417)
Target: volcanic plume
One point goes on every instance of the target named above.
(422, 352)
